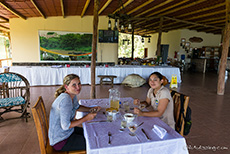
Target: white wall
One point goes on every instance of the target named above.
(25, 39)
(173, 38)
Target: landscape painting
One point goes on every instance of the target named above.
(65, 46)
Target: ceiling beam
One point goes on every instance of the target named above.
(85, 7)
(156, 12)
(62, 8)
(183, 7)
(192, 23)
(40, 12)
(4, 21)
(201, 10)
(212, 19)
(140, 6)
(5, 28)
(218, 21)
(154, 7)
(123, 6)
(104, 6)
(167, 8)
(206, 15)
(3, 18)
(9, 8)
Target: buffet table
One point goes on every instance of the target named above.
(47, 75)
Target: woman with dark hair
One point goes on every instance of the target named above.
(160, 99)
(64, 133)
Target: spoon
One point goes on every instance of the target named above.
(109, 134)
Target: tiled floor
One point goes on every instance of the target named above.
(210, 115)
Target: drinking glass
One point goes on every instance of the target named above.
(132, 128)
(126, 106)
(109, 117)
(123, 124)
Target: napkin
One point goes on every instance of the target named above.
(161, 132)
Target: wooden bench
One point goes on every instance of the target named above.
(110, 77)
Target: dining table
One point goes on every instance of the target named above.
(99, 132)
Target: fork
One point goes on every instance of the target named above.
(109, 134)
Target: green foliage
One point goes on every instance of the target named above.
(125, 49)
(50, 33)
(78, 43)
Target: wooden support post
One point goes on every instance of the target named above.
(158, 52)
(132, 43)
(224, 55)
(94, 46)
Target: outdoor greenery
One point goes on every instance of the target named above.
(75, 44)
(71, 43)
(125, 48)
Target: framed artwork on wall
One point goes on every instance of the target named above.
(65, 46)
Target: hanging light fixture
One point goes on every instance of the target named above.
(115, 25)
(129, 27)
(145, 36)
(109, 24)
(122, 28)
(142, 40)
(123, 18)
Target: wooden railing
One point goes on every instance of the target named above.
(8, 59)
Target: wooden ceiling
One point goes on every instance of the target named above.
(146, 15)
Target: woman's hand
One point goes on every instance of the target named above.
(90, 116)
(136, 102)
(137, 111)
(95, 109)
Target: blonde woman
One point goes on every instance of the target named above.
(64, 133)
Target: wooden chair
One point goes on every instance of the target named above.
(14, 94)
(166, 81)
(179, 126)
(42, 126)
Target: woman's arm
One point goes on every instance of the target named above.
(77, 122)
(147, 102)
(88, 109)
(163, 103)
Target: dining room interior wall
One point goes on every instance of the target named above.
(25, 38)
(173, 38)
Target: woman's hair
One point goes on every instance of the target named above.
(159, 75)
(66, 81)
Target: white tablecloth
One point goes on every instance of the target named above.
(46, 75)
(96, 135)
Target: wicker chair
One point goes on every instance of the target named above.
(42, 127)
(14, 94)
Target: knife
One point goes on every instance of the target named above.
(145, 134)
(96, 121)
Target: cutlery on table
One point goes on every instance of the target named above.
(109, 134)
(140, 124)
(90, 122)
(145, 134)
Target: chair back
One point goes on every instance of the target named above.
(14, 91)
(179, 126)
(42, 127)
(14, 85)
(41, 123)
